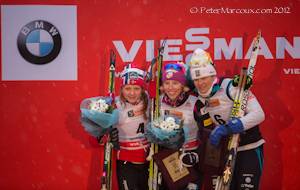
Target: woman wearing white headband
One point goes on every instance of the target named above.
(218, 97)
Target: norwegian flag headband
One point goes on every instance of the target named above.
(132, 75)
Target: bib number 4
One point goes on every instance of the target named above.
(141, 128)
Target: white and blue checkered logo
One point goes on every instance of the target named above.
(39, 42)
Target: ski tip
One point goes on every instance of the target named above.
(259, 33)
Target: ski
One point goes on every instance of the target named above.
(106, 178)
(239, 109)
(154, 174)
(112, 71)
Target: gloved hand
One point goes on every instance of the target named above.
(234, 126)
(149, 154)
(112, 136)
(236, 82)
(149, 71)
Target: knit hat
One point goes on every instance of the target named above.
(173, 71)
(201, 65)
(132, 75)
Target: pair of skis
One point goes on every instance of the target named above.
(239, 108)
(154, 175)
(106, 179)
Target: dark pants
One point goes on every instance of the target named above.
(132, 176)
(248, 169)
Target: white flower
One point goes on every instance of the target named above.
(102, 110)
(101, 101)
(166, 123)
(177, 126)
(163, 125)
(170, 120)
(99, 105)
(161, 120)
(104, 106)
(171, 125)
(169, 128)
(93, 105)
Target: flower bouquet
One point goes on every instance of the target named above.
(167, 131)
(98, 115)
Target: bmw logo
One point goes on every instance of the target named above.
(39, 42)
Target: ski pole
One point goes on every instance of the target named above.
(238, 111)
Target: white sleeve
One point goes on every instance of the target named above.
(254, 113)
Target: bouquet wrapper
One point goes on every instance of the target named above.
(95, 122)
(173, 139)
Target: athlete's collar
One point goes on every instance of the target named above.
(135, 103)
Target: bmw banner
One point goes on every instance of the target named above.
(39, 42)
